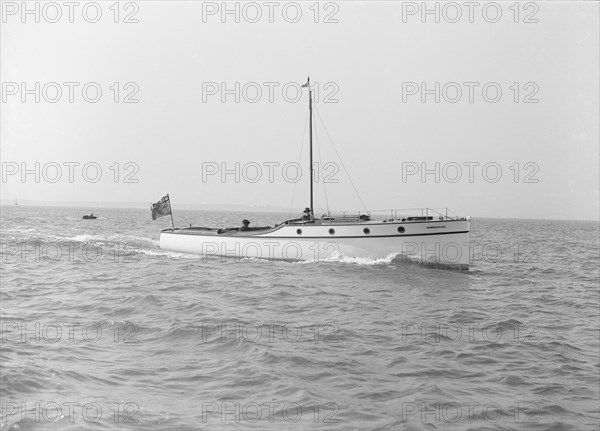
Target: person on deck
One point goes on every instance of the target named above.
(245, 225)
(306, 215)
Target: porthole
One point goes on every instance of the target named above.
(331, 231)
(367, 231)
(401, 229)
(299, 231)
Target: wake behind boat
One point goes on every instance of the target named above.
(424, 235)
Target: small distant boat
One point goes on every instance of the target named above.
(90, 216)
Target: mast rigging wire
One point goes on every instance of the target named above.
(341, 161)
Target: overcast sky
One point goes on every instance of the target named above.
(368, 61)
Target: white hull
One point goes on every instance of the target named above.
(443, 242)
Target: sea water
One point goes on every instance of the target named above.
(101, 329)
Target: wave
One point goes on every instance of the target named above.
(367, 261)
(127, 243)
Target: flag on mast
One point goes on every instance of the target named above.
(307, 83)
(161, 208)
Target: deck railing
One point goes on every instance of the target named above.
(440, 213)
(395, 214)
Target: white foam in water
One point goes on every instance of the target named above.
(84, 238)
(338, 257)
(169, 254)
(368, 261)
(112, 238)
(20, 229)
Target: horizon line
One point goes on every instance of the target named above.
(215, 207)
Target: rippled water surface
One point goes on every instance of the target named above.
(103, 330)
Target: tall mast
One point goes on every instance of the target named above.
(312, 208)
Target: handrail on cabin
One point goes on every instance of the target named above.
(396, 214)
(442, 213)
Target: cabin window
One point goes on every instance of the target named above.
(299, 231)
(331, 231)
(401, 229)
(367, 231)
